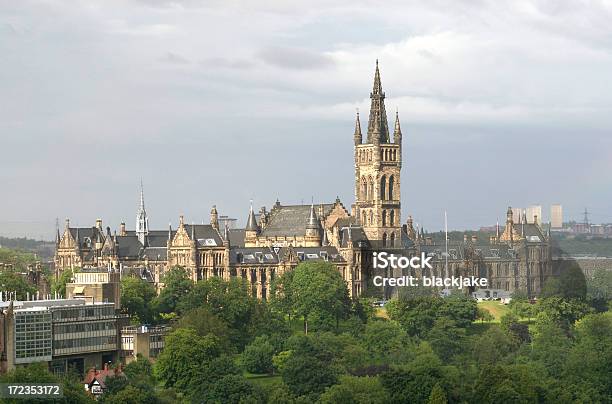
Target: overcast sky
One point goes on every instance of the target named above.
(217, 102)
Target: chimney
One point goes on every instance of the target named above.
(99, 224)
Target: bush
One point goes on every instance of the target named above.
(257, 357)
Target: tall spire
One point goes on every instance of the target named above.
(497, 230)
(57, 232)
(377, 124)
(142, 221)
(358, 137)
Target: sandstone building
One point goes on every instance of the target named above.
(276, 240)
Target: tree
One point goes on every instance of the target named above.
(136, 297)
(185, 355)
(282, 294)
(177, 283)
(492, 346)
(437, 396)
(446, 338)
(599, 289)
(460, 308)
(230, 389)
(318, 290)
(257, 357)
(550, 344)
(11, 281)
(204, 322)
(563, 311)
(59, 284)
(351, 389)
(416, 315)
(484, 315)
(305, 374)
(384, 339)
(38, 373)
(571, 284)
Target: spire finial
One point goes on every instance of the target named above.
(251, 221)
(378, 130)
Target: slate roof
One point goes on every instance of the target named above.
(291, 220)
(237, 237)
(205, 235)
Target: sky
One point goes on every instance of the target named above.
(220, 102)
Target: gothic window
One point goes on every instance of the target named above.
(364, 189)
(383, 188)
(371, 191)
(384, 217)
(391, 179)
(384, 240)
(391, 217)
(392, 241)
(371, 217)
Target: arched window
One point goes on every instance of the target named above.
(391, 179)
(383, 187)
(363, 217)
(384, 218)
(391, 217)
(371, 190)
(384, 240)
(371, 217)
(364, 189)
(394, 155)
(392, 241)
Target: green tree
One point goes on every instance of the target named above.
(181, 363)
(204, 322)
(257, 357)
(385, 340)
(305, 374)
(136, 298)
(282, 295)
(492, 346)
(319, 290)
(563, 311)
(351, 389)
(437, 396)
(58, 285)
(416, 315)
(38, 373)
(550, 344)
(484, 315)
(11, 281)
(230, 389)
(177, 283)
(446, 338)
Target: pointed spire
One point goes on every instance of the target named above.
(142, 204)
(378, 129)
(192, 231)
(523, 220)
(358, 137)
(397, 131)
(142, 221)
(497, 230)
(313, 222)
(169, 231)
(251, 221)
(57, 232)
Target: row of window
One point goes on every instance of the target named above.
(85, 342)
(84, 327)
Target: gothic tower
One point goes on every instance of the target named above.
(142, 221)
(378, 163)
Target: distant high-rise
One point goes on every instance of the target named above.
(534, 214)
(517, 214)
(556, 216)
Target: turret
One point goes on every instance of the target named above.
(251, 230)
(313, 234)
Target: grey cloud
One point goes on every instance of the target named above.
(173, 58)
(295, 58)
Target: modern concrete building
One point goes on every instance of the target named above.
(65, 333)
(96, 285)
(147, 341)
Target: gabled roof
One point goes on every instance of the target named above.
(205, 234)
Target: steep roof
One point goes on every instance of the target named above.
(290, 220)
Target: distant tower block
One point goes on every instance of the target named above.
(556, 216)
(534, 211)
(516, 214)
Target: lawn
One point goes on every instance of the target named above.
(263, 380)
(496, 308)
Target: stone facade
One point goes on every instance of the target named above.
(276, 240)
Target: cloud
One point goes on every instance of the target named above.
(295, 58)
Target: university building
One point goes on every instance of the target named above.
(277, 239)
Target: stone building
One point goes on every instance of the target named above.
(276, 240)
